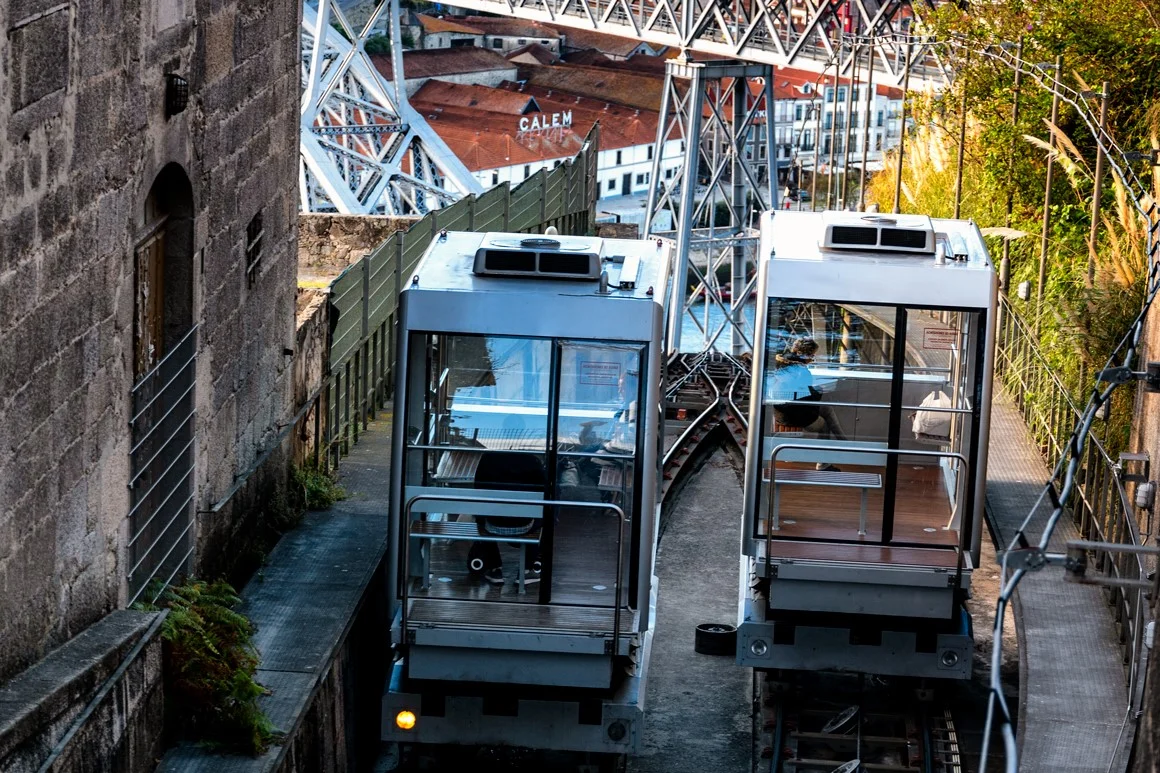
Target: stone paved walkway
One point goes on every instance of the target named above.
(1073, 692)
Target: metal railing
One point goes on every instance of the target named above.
(964, 537)
(161, 462)
(407, 525)
(1101, 508)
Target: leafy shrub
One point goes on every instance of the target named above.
(319, 490)
(210, 662)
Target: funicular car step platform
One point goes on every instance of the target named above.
(541, 618)
(851, 553)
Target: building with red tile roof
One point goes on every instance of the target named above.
(532, 53)
(590, 57)
(461, 65)
(436, 24)
(506, 134)
(638, 90)
(614, 47)
(504, 34)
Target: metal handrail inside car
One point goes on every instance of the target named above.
(856, 450)
(616, 510)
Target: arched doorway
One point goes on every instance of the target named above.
(164, 269)
(164, 367)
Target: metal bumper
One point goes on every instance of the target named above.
(535, 724)
(829, 649)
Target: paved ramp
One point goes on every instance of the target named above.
(1072, 684)
(698, 706)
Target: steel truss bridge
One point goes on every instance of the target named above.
(365, 150)
(806, 34)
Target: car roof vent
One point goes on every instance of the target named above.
(538, 257)
(879, 233)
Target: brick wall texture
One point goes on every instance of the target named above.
(83, 136)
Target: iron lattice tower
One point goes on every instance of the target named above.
(722, 112)
(364, 149)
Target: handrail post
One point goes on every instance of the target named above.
(405, 567)
(847, 449)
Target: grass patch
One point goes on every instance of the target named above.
(319, 489)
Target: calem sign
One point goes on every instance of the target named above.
(544, 121)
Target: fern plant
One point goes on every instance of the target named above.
(210, 662)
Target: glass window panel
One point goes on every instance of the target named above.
(478, 426)
(829, 380)
(599, 394)
(827, 383)
(477, 417)
(938, 400)
(597, 432)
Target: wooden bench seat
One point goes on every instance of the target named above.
(467, 531)
(834, 478)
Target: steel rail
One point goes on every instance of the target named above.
(671, 453)
(741, 417)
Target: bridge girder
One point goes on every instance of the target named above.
(364, 149)
(782, 33)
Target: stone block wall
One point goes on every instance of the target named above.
(618, 230)
(329, 243)
(84, 135)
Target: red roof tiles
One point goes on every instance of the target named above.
(484, 137)
(483, 98)
(511, 28)
(434, 24)
(432, 63)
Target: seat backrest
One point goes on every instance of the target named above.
(799, 414)
(510, 470)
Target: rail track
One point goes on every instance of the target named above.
(853, 723)
(707, 392)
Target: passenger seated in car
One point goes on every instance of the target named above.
(797, 403)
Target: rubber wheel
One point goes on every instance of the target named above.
(716, 639)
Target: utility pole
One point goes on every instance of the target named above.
(1005, 263)
(817, 148)
(831, 188)
(1098, 189)
(847, 129)
(902, 133)
(866, 127)
(1039, 292)
(962, 145)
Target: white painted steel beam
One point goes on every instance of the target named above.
(347, 166)
(723, 111)
(782, 33)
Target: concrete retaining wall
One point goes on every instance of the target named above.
(320, 609)
(123, 731)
